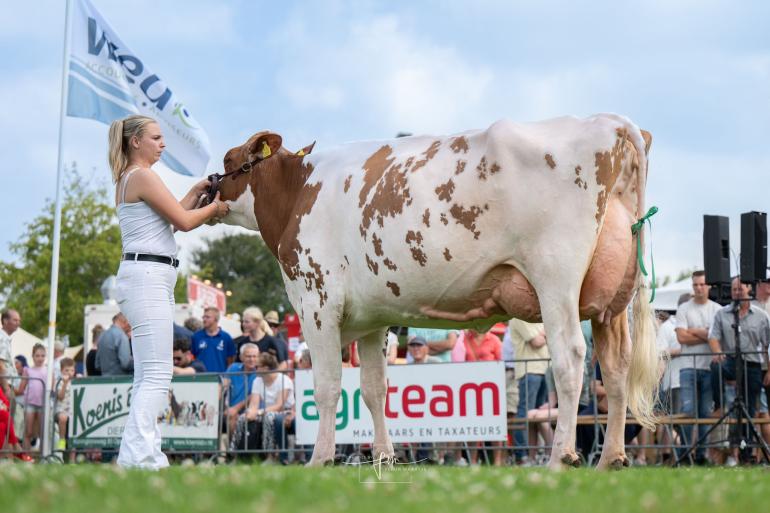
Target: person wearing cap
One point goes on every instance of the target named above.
(440, 342)
(274, 321)
(418, 348)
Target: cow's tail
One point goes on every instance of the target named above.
(643, 375)
(643, 378)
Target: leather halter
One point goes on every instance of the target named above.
(216, 178)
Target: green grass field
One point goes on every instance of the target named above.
(243, 488)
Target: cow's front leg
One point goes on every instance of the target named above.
(374, 390)
(324, 348)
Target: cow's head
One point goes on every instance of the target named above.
(252, 166)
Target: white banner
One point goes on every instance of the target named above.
(189, 422)
(107, 81)
(450, 402)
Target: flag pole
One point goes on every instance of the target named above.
(48, 431)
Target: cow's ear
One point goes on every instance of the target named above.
(266, 145)
(306, 150)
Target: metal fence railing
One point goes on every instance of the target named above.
(258, 422)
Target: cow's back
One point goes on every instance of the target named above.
(420, 221)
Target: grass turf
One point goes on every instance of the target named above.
(243, 488)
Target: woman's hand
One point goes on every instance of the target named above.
(222, 208)
(200, 187)
(251, 414)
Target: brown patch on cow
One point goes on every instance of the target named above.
(394, 288)
(484, 169)
(445, 191)
(429, 154)
(460, 166)
(374, 168)
(549, 160)
(609, 165)
(372, 265)
(459, 144)
(347, 182)
(447, 255)
(467, 217)
(389, 264)
(314, 279)
(582, 184)
(426, 217)
(408, 163)
(317, 321)
(377, 243)
(391, 191)
(481, 168)
(414, 239)
(444, 219)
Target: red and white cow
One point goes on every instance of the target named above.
(520, 220)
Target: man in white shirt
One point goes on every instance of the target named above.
(11, 320)
(693, 321)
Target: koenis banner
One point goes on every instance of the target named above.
(450, 402)
(189, 422)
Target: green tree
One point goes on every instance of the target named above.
(244, 265)
(90, 252)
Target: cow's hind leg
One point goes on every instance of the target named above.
(324, 348)
(567, 348)
(612, 344)
(374, 390)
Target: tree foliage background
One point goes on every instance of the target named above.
(90, 252)
(244, 265)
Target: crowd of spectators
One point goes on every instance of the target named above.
(257, 368)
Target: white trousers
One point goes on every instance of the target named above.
(145, 294)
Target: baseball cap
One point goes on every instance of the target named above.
(272, 317)
(417, 341)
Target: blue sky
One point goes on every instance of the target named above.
(695, 74)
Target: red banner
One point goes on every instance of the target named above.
(202, 295)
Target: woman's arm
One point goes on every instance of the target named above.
(190, 199)
(150, 188)
(253, 409)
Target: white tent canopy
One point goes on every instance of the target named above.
(23, 341)
(666, 298)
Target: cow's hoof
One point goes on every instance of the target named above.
(384, 459)
(319, 463)
(571, 460)
(619, 463)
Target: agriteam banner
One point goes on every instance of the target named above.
(425, 403)
(189, 422)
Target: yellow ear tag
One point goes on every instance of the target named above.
(266, 150)
(301, 153)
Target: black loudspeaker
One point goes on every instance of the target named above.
(716, 249)
(753, 247)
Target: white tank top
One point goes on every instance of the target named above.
(143, 230)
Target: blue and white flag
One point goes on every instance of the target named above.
(107, 81)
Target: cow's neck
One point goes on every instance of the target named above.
(276, 189)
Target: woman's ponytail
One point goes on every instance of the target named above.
(117, 157)
(121, 132)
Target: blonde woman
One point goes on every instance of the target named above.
(257, 331)
(148, 214)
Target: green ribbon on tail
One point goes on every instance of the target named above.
(636, 228)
